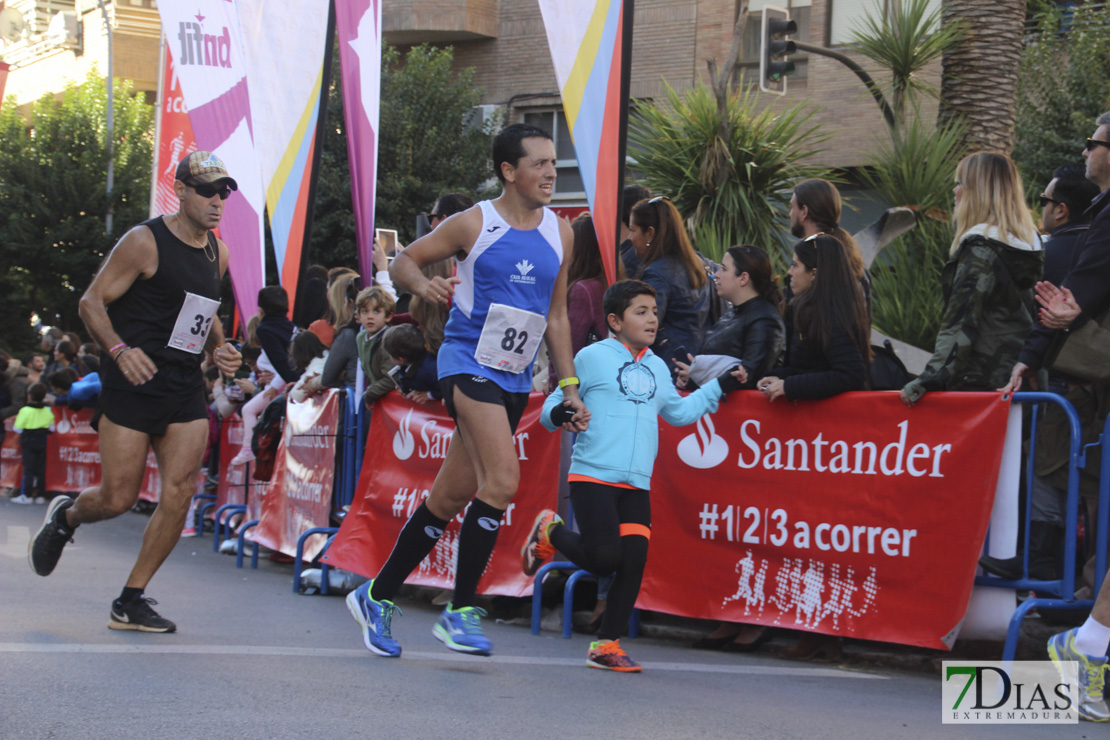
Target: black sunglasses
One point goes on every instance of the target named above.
(1092, 143)
(1045, 200)
(207, 191)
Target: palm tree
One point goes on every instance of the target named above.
(979, 74)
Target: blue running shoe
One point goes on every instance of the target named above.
(461, 630)
(374, 617)
(1092, 674)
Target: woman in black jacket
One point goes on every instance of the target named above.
(828, 346)
(828, 352)
(752, 333)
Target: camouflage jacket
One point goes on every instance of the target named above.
(988, 294)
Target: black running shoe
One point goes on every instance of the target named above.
(45, 548)
(138, 615)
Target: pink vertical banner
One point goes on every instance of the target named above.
(212, 65)
(358, 26)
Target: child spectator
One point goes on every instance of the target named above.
(309, 355)
(33, 423)
(621, 381)
(273, 334)
(374, 309)
(415, 370)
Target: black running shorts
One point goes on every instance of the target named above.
(148, 414)
(483, 390)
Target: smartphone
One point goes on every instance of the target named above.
(680, 354)
(388, 239)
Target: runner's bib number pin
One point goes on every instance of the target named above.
(194, 321)
(510, 338)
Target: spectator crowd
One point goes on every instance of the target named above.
(1024, 306)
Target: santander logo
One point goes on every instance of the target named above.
(703, 449)
(404, 444)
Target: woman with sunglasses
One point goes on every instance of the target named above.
(676, 271)
(995, 259)
(753, 332)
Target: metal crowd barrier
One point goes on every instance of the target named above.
(1058, 594)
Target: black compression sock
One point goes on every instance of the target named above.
(129, 594)
(419, 535)
(477, 537)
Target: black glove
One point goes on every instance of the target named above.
(561, 414)
(728, 382)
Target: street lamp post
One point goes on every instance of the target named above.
(111, 123)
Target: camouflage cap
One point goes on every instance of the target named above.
(204, 168)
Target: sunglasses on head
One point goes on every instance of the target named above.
(1092, 143)
(207, 191)
(658, 198)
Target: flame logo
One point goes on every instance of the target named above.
(64, 425)
(703, 449)
(403, 442)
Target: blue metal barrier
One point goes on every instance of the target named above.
(243, 543)
(568, 598)
(198, 515)
(1062, 590)
(221, 521)
(298, 559)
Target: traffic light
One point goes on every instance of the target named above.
(774, 47)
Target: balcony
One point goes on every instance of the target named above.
(411, 22)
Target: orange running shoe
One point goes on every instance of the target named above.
(609, 656)
(538, 548)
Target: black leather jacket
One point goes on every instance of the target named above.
(752, 331)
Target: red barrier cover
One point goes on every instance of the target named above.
(404, 450)
(852, 516)
(299, 495)
(11, 461)
(72, 452)
(234, 484)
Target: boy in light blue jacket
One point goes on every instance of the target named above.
(626, 387)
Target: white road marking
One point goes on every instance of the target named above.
(443, 657)
(15, 546)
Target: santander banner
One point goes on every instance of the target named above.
(299, 495)
(11, 462)
(869, 527)
(212, 67)
(72, 457)
(406, 445)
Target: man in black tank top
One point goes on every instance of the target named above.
(152, 309)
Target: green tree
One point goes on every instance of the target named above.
(731, 192)
(1063, 86)
(53, 200)
(905, 41)
(428, 147)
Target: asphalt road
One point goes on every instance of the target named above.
(253, 659)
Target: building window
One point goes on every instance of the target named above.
(847, 16)
(568, 184)
(749, 47)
